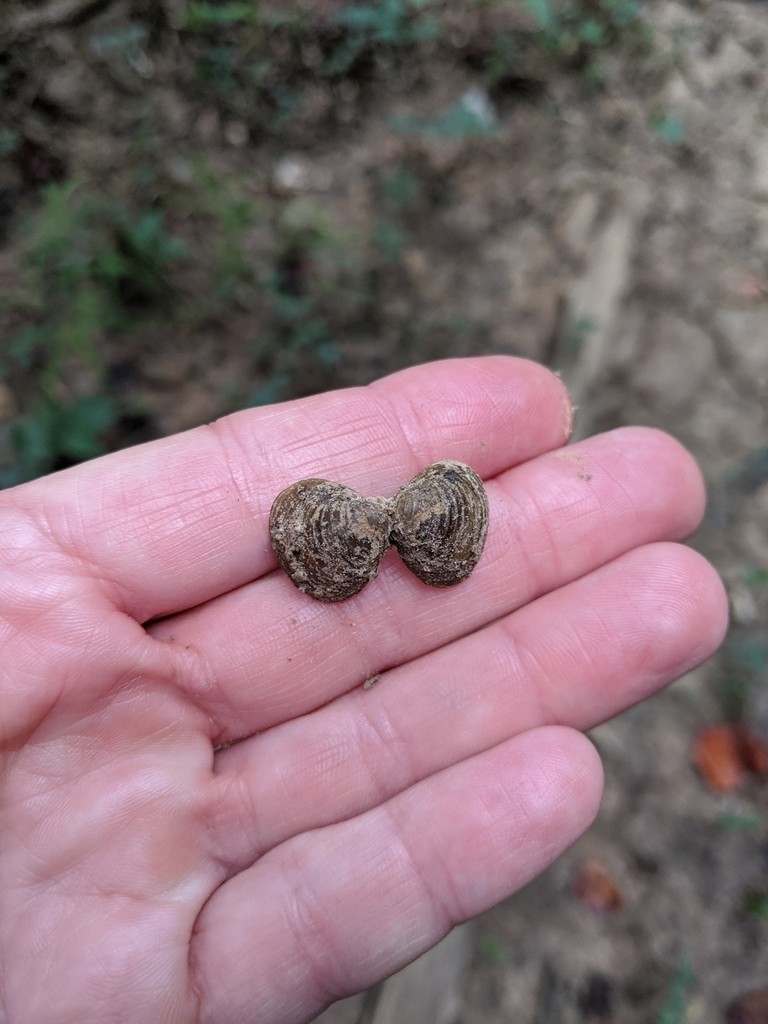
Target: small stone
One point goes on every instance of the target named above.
(291, 174)
(236, 134)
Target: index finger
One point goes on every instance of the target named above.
(168, 525)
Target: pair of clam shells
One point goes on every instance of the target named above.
(330, 540)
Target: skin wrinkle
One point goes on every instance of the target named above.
(233, 809)
(387, 599)
(473, 387)
(403, 414)
(304, 916)
(531, 558)
(523, 667)
(636, 642)
(661, 630)
(395, 770)
(366, 443)
(248, 497)
(442, 917)
(192, 675)
(685, 471)
(364, 447)
(399, 424)
(178, 514)
(491, 395)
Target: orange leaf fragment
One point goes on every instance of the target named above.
(751, 1008)
(726, 754)
(596, 887)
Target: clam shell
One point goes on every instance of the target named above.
(441, 522)
(328, 538)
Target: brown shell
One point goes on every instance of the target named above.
(328, 538)
(441, 521)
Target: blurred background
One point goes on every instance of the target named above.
(207, 206)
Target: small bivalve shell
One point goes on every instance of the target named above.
(441, 522)
(328, 538)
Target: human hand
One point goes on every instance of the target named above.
(205, 817)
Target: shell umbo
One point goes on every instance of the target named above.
(441, 521)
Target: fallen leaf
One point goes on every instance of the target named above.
(596, 887)
(726, 754)
(751, 1008)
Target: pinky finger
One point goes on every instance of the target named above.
(332, 911)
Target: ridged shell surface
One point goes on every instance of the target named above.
(328, 538)
(441, 522)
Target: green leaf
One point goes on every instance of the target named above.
(390, 240)
(755, 576)
(675, 1005)
(756, 903)
(24, 346)
(669, 129)
(83, 424)
(458, 122)
(543, 13)
(591, 32)
(202, 16)
(31, 437)
(492, 949)
(731, 821)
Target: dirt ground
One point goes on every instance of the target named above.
(616, 229)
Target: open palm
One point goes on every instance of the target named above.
(205, 817)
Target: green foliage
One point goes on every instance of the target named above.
(227, 214)
(397, 22)
(670, 129)
(92, 266)
(52, 431)
(464, 119)
(492, 949)
(756, 903)
(9, 140)
(579, 334)
(94, 260)
(258, 60)
(576, 30)
(755, 577)
(739, 821)
(743, 668)
(753, 471)
(678, 994)
(201, 17)
(393, 23)
(316, 283)
(390, 239)
(402, 189)
(402, 195)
